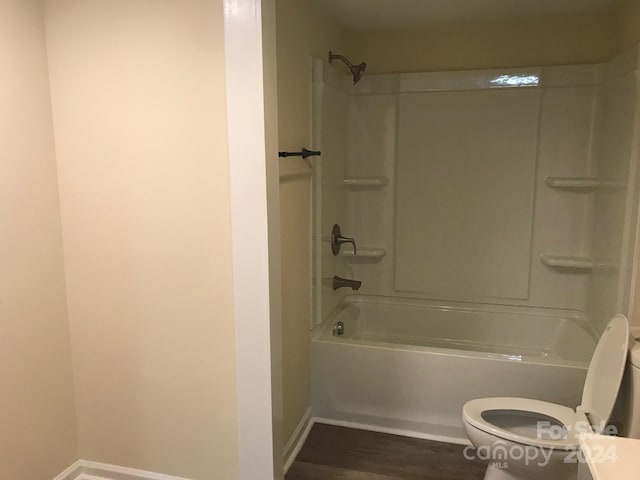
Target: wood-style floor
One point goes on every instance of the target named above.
(337, 453)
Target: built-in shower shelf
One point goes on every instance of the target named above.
(583, 184)
(606, 266)
(365, 182)
(567, 262)
(364, 252)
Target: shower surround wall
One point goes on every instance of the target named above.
(615, 205)
(484, 187)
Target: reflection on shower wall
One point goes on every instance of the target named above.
(484, 187)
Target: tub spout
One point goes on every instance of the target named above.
(339, 282)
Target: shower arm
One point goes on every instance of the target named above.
(335, 56)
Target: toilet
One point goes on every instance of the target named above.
(529, 439)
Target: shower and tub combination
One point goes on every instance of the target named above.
(494, 214)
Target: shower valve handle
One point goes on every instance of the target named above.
(337, 240)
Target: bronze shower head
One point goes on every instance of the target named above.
(356, 70)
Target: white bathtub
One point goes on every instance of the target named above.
(408, 369)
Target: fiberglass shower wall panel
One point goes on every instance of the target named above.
(465, 193)
(616, 206)
(371, 153)
(559, 126)
(563, 217)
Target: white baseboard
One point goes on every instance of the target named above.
(70, 473)
(300, 434)
(86, 470)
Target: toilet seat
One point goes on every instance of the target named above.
(473, 411)
(599, 395)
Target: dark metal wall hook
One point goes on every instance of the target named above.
(304, 153)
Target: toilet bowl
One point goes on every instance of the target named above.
(529, 439)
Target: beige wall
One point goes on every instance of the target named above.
(627, 26)
(302, 31)
(540, 41)
(37, 431)
(139, 113)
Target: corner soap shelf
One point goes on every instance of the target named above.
(365, 182)
(375, 253)
(567, 262)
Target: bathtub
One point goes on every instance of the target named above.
(409, 368)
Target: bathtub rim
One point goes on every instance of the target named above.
(323, 333)
(575, 316)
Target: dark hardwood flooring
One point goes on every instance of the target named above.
(337, 453)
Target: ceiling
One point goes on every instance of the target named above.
(384, 14)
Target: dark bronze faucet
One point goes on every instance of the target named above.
(339, 282)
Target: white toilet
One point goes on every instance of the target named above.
(529, 439)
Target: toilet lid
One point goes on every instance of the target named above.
(605, 371)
